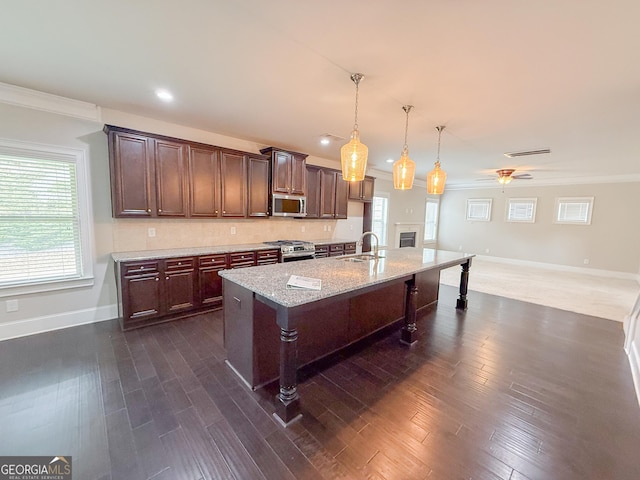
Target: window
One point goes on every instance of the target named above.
(574, 210)
(479, 209)
(380, 215)
(521, 210)
(431, 220)
(44, 220)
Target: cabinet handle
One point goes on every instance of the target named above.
(216, 211)
(224, 211)
(179, 263)
(157, 279)
(149, 210)
(141, 268)
(159, 210)
(166, 278)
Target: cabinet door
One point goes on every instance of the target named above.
(234, 184)
(367, 188)
(171, 175)
(313, 192)
(298, 175)
(132, 175)
(342, 197)
(141, 297)
(327, 193)
(179, 288)
(204, 182)
(281, 172)
(209, 282)
(258, 187)
(355, 190)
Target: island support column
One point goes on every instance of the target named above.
(461, 304)
(287, 399)
(408, 332)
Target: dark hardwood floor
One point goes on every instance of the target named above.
(507, 390)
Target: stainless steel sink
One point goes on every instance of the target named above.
(358, 258)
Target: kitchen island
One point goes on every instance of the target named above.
(359, 295)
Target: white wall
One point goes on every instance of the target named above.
(45, 311)
(611, 242)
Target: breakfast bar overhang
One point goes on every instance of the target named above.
(271, 330)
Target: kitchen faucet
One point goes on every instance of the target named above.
(375, 249)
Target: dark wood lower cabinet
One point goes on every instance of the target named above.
(156, 291)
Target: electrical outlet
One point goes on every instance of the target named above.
(329, 227)
(586, 261)
(459, 248)
(325, 228)
(233, 230)
(302, 229)
(151, 232)
(486, 250)
(12, 305)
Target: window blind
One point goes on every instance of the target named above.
(39, 220)
(573, 212)
(521, 210)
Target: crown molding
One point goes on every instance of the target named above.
(25, 97)
(548, 182)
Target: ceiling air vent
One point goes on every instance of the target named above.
(527, 152)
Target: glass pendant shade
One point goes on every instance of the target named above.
(436, 179)
(353, 157)
(403, 172)
(504, 180)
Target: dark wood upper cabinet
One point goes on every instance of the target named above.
(313, 191)
(288, 171)
(204, 182)
(171, 174)
(132, 174)
(234, 185)
(363, 190)
(257, 186)
(334, 194)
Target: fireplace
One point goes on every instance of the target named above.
(407, 239)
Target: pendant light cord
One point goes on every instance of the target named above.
(356, 78)
(440, 128)
(407, 109)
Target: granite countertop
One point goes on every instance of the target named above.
(338, 275)
(196, 251)
(187, 252)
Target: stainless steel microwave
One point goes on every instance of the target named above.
(288, 205)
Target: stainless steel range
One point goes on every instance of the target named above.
(292, 250)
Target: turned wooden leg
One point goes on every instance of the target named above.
(461, 304)
(287, 400)
(408, 333)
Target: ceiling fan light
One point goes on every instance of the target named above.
(404, 171)
(353, 157)
(504, 180)
(436, 179)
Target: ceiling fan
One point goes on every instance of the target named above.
(505, 175)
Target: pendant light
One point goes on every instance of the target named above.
(405, 168)
(436, 178)
(353, 155)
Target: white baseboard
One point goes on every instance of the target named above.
(47, 323)
(634, 361)
(564, 268)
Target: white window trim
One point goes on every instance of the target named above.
(560, 200)
(488, 202)
(435, 240)
(532, 200)
(384, 241)
(79, 157)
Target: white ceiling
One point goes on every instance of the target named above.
(501, 75)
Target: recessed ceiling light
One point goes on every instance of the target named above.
(389, 160)
(325, 141)
(164, 95)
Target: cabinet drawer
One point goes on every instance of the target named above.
(322, 249)
(217, 260)
(137, 268)
(267, 257)
(241, 259)
(350, 247)
(179, 264)
(338, 247)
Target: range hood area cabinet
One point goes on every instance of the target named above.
(157, 176)
(288, 171)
